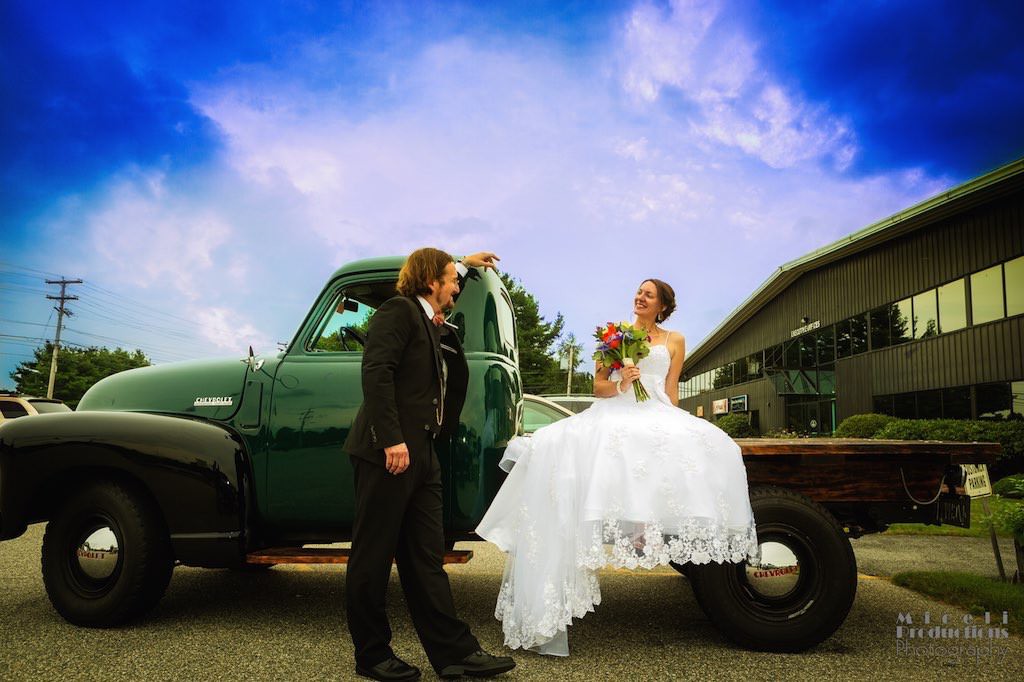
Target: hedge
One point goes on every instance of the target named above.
(862, 425)
(1011, 486)
(735, 425)
(1009, 434)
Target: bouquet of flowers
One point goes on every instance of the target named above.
(622, 345)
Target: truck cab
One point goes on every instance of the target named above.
(224, 458)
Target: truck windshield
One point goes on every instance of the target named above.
(343, 328)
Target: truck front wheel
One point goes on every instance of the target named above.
(106, 556)
(803, 587)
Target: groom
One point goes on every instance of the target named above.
(414, 384)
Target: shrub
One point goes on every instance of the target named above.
(1011, 487)
(862, 425)
(784, 433)
(1009, 434)
(1011, 520)
(736, 425)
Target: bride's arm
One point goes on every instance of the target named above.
(606, 388)
(677, 348)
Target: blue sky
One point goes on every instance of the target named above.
(204, 167)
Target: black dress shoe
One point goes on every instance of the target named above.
(479, 664)
(392, 668)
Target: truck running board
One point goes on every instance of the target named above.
(327, 555)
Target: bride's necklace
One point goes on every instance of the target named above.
(652, 331)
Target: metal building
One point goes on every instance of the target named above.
(919, 315)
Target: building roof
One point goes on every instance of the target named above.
(979, 190)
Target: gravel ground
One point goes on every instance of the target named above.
(289, 623)
(886, 555)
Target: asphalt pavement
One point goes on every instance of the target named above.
(289, 624)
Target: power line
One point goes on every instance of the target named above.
(162, 349)
(152, 310)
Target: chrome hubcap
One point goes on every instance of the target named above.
(778, 572)
(97, 553)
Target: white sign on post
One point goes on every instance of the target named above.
(976, 483)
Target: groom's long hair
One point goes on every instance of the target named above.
(422, 267)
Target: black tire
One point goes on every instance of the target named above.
(142, 566)
(808, 604)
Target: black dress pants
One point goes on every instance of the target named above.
(400, 517)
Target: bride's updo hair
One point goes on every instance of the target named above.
(666, 296)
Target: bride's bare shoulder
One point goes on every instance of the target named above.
(675, 337)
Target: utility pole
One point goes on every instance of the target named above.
(61, 312)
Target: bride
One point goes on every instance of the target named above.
(623, 484)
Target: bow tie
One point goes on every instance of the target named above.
(438, 319)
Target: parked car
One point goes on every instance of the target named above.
(14, 405)
(538, 412)
(576, 403)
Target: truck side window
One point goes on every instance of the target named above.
(344, 328)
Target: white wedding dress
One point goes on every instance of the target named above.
(622, 484)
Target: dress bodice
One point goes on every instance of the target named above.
(657, 362)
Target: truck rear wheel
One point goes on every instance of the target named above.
(803, 588)
(106, 556)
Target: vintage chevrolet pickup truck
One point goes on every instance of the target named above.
(239, 465)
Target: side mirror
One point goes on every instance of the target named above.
(349, 305)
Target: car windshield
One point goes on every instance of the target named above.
(575, 404)
(49, 406)
(537, 414)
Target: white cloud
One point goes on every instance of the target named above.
(690, 49)
(153, 239)
(505, 145)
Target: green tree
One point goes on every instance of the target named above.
(535, 337)
(582, 381)
(77, 370)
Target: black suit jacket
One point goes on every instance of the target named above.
(401, 378)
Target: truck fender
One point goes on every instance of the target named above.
(196, 472)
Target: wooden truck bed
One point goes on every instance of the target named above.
(865, 483)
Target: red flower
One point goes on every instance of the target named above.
(614, 343)
(616, 365)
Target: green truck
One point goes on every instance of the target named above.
(239, 464)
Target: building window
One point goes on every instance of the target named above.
(826, 350)
(826, 380)
(929, 404)
(901, 322)
(987, 295)
(880, 324)
(858, 334)
(904, 406)
(882, 404)
(1017, 399)
(739, 371)
(956, 402)
(1014, 271)
(723, 377)
(926, 315)
(808, 349)
(844, 347)
(994, 401)
(753, 367)
(952, 307)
